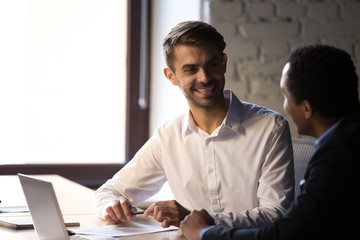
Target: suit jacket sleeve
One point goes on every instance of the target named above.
(228, 233)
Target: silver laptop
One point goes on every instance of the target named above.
(44, 210)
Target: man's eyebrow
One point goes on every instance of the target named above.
(195, 65)
(188, 66)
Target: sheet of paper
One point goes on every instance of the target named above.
(27, 222)
(13, 209)
(123, 229)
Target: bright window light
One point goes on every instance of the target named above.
(62, 81)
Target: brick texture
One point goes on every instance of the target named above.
(261, 33)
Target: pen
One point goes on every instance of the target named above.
(137, 212)
(134, 211)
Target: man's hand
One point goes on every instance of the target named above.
(192, 225)
(119, 211)
(169, 213)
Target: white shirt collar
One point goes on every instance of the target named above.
(232, 119)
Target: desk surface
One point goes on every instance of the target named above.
(75, 203)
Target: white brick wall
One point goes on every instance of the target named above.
(322, 11)
(290, 9)
(261, 33)
(260, 10)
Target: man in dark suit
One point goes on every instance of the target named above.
(320, 88)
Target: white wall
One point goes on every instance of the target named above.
(166, 100)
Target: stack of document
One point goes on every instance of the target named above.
(123, 229)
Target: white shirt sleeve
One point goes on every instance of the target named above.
(139, 179)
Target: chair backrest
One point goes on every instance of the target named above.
(303, 151)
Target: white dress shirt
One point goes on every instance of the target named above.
(242, 173)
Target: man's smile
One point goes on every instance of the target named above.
(205, 91)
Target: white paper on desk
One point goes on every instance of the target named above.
(13, 209)
(123, 229)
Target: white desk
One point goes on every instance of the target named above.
(75, 203)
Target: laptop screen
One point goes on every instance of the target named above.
(44, 208)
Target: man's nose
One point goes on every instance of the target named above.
(203, 76)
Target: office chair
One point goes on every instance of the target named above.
(303, 150)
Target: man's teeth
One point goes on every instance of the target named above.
(204, 90)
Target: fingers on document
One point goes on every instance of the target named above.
(164, 213)
(167, 222)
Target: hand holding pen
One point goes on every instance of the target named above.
(120, 210)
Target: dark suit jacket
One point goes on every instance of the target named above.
(328, 206)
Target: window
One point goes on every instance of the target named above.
(66, 103)
(65, 100)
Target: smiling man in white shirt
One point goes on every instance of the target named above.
(232, 158)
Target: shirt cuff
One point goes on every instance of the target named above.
(204, 230)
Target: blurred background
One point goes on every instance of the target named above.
(82, 85)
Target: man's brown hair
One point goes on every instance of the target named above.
(190, 33)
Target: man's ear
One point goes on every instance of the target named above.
(170, 75)
(308, 109)
(225, 59)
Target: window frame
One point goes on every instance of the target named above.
(137, 117)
